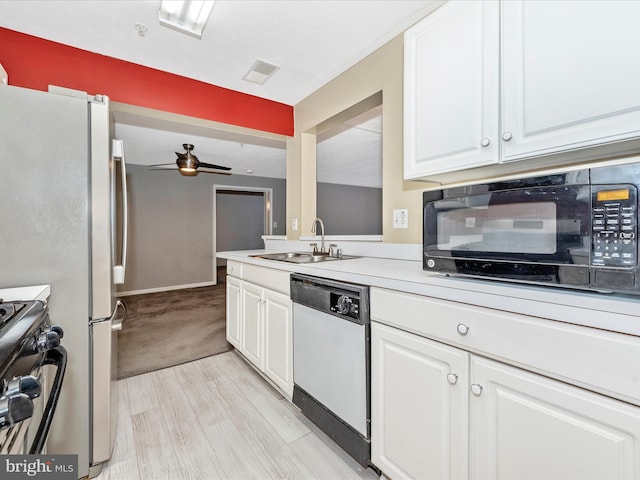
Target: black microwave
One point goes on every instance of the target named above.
(577, 229)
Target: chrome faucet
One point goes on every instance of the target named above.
(313, 230)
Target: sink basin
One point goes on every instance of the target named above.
(301, 257)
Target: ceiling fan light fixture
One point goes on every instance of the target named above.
(188, 172)
(187, 16)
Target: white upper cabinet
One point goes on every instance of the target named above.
(451, 88)
(488, 83)
(570, 75)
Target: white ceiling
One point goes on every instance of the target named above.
(312, 41)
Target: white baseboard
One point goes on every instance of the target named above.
(166, 289)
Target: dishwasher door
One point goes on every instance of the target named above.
(330, 363)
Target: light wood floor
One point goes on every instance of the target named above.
(216, 418)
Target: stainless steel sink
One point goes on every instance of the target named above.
(301, 257)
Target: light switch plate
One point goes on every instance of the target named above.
(401, 218)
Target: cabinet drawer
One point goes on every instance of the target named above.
(234, 268)
(277, 280)
(598, 360)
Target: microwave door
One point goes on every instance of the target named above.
(536, 225)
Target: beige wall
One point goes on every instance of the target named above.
(380, 71)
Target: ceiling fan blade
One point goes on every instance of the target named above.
(215, 173)
(162, 164)
(211, 165)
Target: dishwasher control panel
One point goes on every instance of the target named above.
(346, 305)
(349, 301)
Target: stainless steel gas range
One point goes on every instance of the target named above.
(29, 348)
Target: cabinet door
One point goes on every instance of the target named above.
(419, 406)
(523, 425)
(278, 346)
(451, 89)
(570, 75)
(251, 329)
(233, 312)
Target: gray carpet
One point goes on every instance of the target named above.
(169, 328)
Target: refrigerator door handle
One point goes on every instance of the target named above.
(117, 324)
(118, 154)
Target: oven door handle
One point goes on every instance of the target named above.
(55, 356)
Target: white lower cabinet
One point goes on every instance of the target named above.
(251, 319)
(233, 311)
(441, 412)
(419, 399)
(278, 339)
(526, 425)
(259, 325)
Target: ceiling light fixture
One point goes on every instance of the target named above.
(187, 16)
(260, 72)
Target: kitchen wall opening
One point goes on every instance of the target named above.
(349, 170)
(242, 215)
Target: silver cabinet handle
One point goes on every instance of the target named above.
(506, 136)
(485, 142)
(452, 378)
(476, 389)
(462, 329)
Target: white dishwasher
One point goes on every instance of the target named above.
(331, 359)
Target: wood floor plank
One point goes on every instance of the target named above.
(339, 455)
(157, 459)
(142, 396)
(236, 457)
(269, 447)
(124, 448)
(281, 419)
(196, 459)
(126, 469)
(321, 460)
(217, 418)
(200, 390)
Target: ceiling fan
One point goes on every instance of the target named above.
(189, 165)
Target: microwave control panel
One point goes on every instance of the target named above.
(614, 223)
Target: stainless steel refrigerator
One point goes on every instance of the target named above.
(59, 167)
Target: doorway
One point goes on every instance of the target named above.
(242, 215)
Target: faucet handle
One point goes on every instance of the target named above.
(315, 247)
(331, 252)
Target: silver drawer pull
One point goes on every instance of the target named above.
(476, 389)
(452, 378)
(462, 329)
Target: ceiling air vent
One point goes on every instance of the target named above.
(260, 72)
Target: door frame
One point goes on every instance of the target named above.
(268, 214)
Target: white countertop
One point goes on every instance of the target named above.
(36, 292)
(618, 313)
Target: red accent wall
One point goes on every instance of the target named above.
(33, 62)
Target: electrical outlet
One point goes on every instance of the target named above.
(294, 224)
(401, 218)
(275, 224)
